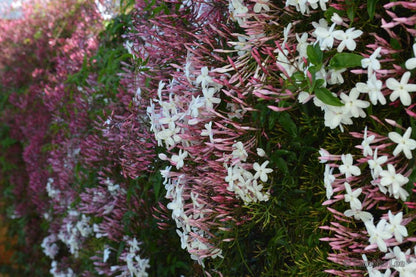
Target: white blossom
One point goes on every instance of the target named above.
(401, 89)
(352, 197)
(378, 234)
(411, 63)
(262, 171)
(376, 163)
(367, 151)
(404, 143)
(347, 38)
(373, 88)
(395, 226)
(347, 167)
(371, 62)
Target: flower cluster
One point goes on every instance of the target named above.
(193, 124)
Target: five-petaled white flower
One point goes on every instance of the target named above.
(367, 151)
(325, 36)
(371, 62)
(404, 143)
(347, 38)
(353, 105)
(395, 226)
(411, 63)
(352, 197)
(262, 171)
(301, 5)
(239, 152)
(336, 76)
(210, 100)
(373, 88)
(328, 180)
(204, 79)
(378, 234)
(401, 89)
(302, 45)
(178, 159)
(314, 4)
(207, 132)
(359, 215)
(347, 168)
(261, 5)
(375, 164)
(394, 181)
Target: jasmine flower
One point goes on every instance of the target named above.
(347, 168)
(411, 63)
(347, 39)
(401, 89)
(404, 143)
(395, 226)
(262, 171)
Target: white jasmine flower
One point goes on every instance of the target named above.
(334, 116)
(204, 79)
(378, 234)
(335, 18)
(321, 23)
(411, 63)
(395, 226)
(347, 39)
(354, 105)
(371, 62)
(239, 152)
(162, 156)
(210, 100)
(238, 11)
(347, 167)
(261, 5)
(375, 164)
(352, 197)
(262, 171)
(301, 5)
(179, 159)
(336, 76)
(405, 269)
(208, 132)
(302, 45)
(106, 254)
(373, 88)
(314, 4)
(401, 89)
(261, 152)
(324, 155)
(325, 36)
(304, 97)
(367, 151)
(394, 181)
(404, 143)
(328, 180)
(359, 215)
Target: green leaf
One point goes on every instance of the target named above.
(318, 83)
(298, 76)
(351, 10)
(371, 8)
(315, 54)
(326, 96)
(395, 44)
(287, 123)
(344, 60)
(282, 165)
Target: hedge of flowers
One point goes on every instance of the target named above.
(209, 138)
